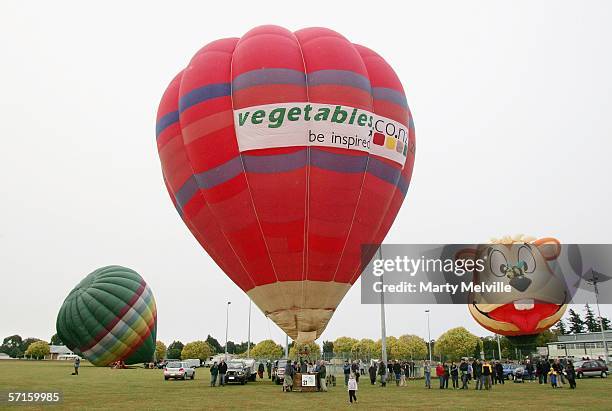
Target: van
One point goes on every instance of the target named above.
(193, 363)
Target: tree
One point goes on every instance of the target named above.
(328, 347)
(605, 323)
(343, 346)
(310, 351)
(364, 348)
(575, 322)
(414, 347)
(590, 322)
(12, 346)
(55, 340)
(214, 344)
(455, 343)
(231, 347)
(174, 350)
(545, 337)
(489, 346)
(267, 349)
(38, 349)
(160, 350)
(200, 350)
(27, 342)
(242, 347)
(560, 328)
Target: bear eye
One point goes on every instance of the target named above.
(526, 259)
(498, 263)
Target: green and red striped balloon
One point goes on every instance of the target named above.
(110, 316)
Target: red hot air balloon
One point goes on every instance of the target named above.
(284, 153)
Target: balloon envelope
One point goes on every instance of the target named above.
(110, 316)
(284, 153)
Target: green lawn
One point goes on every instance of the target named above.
(146, 389)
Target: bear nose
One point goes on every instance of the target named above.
(520, 283)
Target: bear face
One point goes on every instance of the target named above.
(538, 296)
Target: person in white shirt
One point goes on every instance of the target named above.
(352, 388)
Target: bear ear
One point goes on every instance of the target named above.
(466, 254)
(549, 247)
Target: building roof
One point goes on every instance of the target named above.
(59, 349)
(585, 337)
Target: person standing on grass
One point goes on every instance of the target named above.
(260, 370)
(372, 371)
(355, 370)
(440, 374)
(545, 370)
(427, 374)
(463, 369)
(214, 371)
(487, 370)
(382, 371)
(269, 369)
(322, 376)
(571, 374)
(77, 365)
(347, 370)
(405, 375)
(477, 374)
(454, 371)
(288, 377)
(352, 388)
(446, 375)
(222, 372)
(397, 371)
(552, 373)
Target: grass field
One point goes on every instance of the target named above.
(146, 389)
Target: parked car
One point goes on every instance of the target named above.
(178, 370)
(193, 363)
(278, 371)
(591, 368)
(509, 370)
(237, 372)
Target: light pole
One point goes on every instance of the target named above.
(593, 281)
(428, 335)
(249, 333)
(226, 326)
(383, 329)
(498, 347)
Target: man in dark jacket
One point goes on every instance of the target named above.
(545, 370)
(499, 372)
(372, 371)
(355, 370)
(571, 374)
(382, 371)
(214, 371)
(222, 372)
(477, 371)
(446, 375)
(463, 369)
(347, 370)
(397, 372)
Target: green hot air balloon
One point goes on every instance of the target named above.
(110, 316)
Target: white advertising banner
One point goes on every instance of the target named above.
(309, 380)
(325, 125)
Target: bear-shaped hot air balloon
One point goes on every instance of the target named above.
(538, 295)
(110, 316)
(284, 153)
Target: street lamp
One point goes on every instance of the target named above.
(226, 326)
(249, 333)
(593, 281)
(428, 335)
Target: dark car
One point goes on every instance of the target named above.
(237, 372)
(591, 368)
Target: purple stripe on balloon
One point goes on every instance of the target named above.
(278, 163)
(267, 76)
(339, 77)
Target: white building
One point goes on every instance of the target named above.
(577, 346)
(57, 351)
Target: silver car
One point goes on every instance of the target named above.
(178, 370)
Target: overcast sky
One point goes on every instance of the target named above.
(512, 103)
